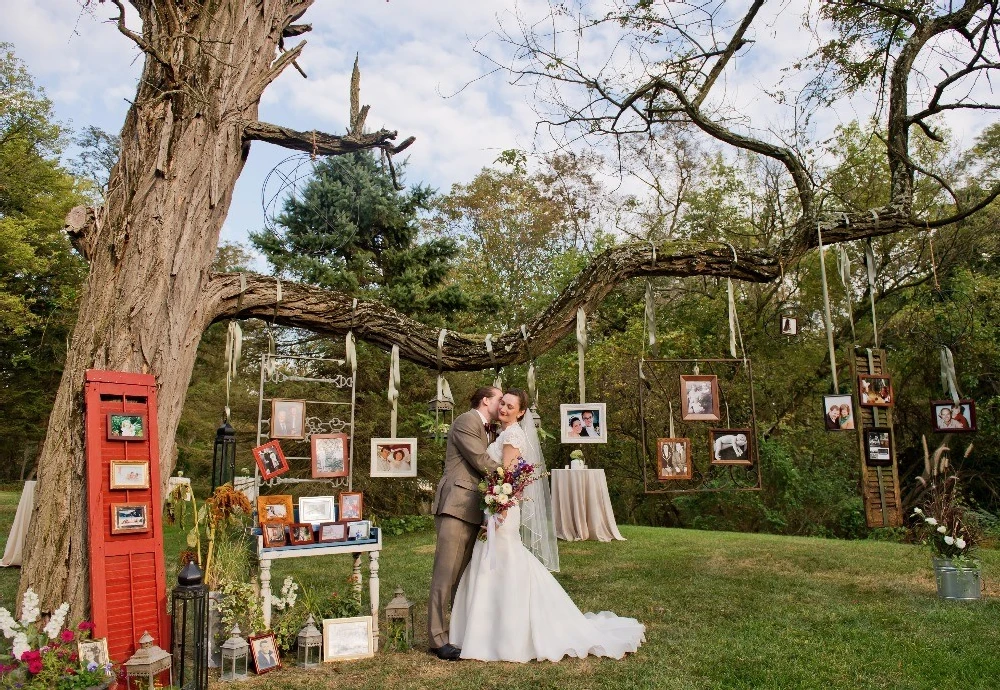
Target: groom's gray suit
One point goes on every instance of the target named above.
(458, 513)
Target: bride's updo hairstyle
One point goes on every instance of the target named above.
(522, 400)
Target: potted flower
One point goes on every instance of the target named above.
(39, 654)
(949, 527)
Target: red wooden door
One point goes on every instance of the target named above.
(127, 582)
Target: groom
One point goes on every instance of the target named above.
(458, 512)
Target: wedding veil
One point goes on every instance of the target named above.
(538, 530)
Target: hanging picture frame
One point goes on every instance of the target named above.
(330, 456)
(788, 325)
(700, 398)
(731, 446)
(673, 459)
(270, 460)
(583, 423)
(949, 417)
(878, 446)
(838, 413)
(394, 457)
(288, 418)
(875, 390)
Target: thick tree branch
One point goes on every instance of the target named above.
(83, 225)
(321, 143)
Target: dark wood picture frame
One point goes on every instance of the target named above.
(720, 452)
(114, 422)
(271, 541)
(668, 471)
(256, 642)
(713, 414)
(116, 527)
(284, 500)
(294, 432)
(970, 419)
(340, 528)
(343, 516)
(878, 453)
(260, 455)
(345, 470)
(880, 385)
(296, 527)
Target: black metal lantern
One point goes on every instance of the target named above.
(190, 627)
(224, 455)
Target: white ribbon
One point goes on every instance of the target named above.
(581, 351)
(949, 380)
(826, 310)
(443, 389)
(870, 265)
(844, 264)
(670, 408)
(351, 351)
(491, 531)
(650, 314)
(393, 389)
(532, 385)
(732, 318)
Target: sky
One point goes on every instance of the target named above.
(421, 74)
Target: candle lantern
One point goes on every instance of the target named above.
(146, 664)
(190, 629)
(310, 644)
(400, 611)
(235, 651)
(535, 417)
(444, 414)
(224, 455)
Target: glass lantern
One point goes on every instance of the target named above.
(444, 415)
(235, 651)
(400, 610)
(146, 664)
(223, 455)
(310, 644)
(190, 629)
(535, 417)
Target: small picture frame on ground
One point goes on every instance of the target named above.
(583, 423)
(878, 446)
(838, 413)
(351, 504)
(789, 325)
(359, 530)
(394, 457)
(348, 638)
(699, 398)
(301, 533)
(129, 474)
(875, 390)
(288, 419)
(127, 518)
(673, 458)
(317, 509)
(731, 446)
(270, 460)
(275, 508)
(95, 651)
(330, 457)
(949, 417)
(332, 531)
(264, 653)
(126, 427)
(274, 534)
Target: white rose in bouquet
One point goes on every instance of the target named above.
(507, 488)
(942, 529)
(502, 499)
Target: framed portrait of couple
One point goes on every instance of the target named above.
(700, 398)
(673, 458)
(838, 413)
(270, 460)
(394, 457)
(288, 419)
(584, 423)
(949, 417)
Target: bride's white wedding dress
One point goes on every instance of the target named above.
(508, 606)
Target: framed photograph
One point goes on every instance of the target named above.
(129, 474)
(362, 529)
(270, 460)
(127, 518)
(789, 325)
(838, 412)
(301, 533)
(126, 427)
(348, 638)
(586, 423)
(394, 457)
(731, 446)
(953, 418)
(317, 509)
(673, 458)
(700, 398)
(875, 390)
(288, 418)
(350, 505)
(274, 534)
(275, 508)
(332, 531)
(264, 652)
(878, 446)
(93, 651)
(329, 456)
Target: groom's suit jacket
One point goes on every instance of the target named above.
(465, 463)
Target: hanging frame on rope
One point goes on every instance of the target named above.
(827, 319)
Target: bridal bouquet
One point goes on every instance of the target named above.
(503, 488)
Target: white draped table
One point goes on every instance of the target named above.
(581, 506)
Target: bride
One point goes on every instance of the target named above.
(508, 606)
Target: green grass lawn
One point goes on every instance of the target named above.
(722, 610)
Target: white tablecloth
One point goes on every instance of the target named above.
(581, 506)
(19, 530)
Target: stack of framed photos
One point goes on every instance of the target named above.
(875, 391)
(321, 519)
(128, 517)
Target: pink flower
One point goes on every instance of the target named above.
(66, 635)
(35, 667)
(85, 625)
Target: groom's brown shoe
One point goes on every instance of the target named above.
(448, 652)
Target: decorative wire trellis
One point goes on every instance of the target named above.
(328, 389)
(659, 389)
